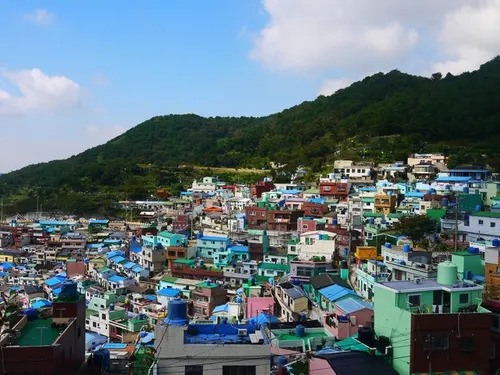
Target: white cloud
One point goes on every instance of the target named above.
(356, 37)
(470, 36)
(331, 86)
(40, 17)
(38, 91)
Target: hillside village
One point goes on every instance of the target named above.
(372, 269)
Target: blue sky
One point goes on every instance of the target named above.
(74, 74)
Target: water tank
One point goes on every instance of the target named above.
(30, 313)
(224, 320)
(334, 221)
(251, 321)
(466, 190)
(281, 361)
(406, 248)
(177, 312)
(111, 307)
(473, 250)
(366, 336)
(371, 220)
(495, 242)
(143, 334)
(388, 245)
(209, 282)
(101, 361)
(300, 331)
(346, 251)
(271, 281)
(238, 300)
(447, 273)
(478, 207)
(199, 235)
(445, 202)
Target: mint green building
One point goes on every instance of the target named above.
(468, 264)
(398, 304)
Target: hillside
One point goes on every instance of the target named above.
(381, 118)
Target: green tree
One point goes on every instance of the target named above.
(415, 227)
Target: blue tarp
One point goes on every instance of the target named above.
(335, 292)
(169, 292)
(53, 281)
(265, 318)
(221, 308)
(41, 303)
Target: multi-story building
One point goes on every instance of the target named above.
(480, 225)
(256, 217)
(207, 185)
(210, 349)
(336, 190)
(283, 220)
(407, 264)
(207, 246)
(206, 296)
(179, 252)
(303, 270)
(292, 301)
(384, 203)
(319, 244)
(434, 325)
(150, 258)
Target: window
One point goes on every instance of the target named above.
(467, 344)
(436, 342)
(327, 188)
(492, 224)
(238, 370)
(193, 370)
(481, 222)
(464, 298)
(414, 300)
(103, 316)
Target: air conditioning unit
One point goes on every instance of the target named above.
(242, 332)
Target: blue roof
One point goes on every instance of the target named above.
(212, 238)
(7, 265)
(2, 274)
(56, 291)
(290, 191)
(52, 222)
(62, 275)
(469, 170)
(95, 245)
(98, 222)
(137, 269)
(239, 249)
(414, 194)
(169, 292)
(112, 242)
(334, 292)
(350, 305)
(41, 303)
(317, 200)
(368, 188)
(150, 297)
(53, 281)
(117, 258)
(221, 308)
(148, 338)
(116, 279)
(453, 179)
(186, 193)
(112, 254)
(136, 249)
(264, 318)
(129, 265)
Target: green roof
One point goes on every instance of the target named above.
(276, 267)
(497, 198)
(368, 200)
(184, 261)
(393, 215)
(436, 214)
(205, 285)
(39, 332)
(493, 215)
(169, 279)
(372, 214)
(311, 191)
(166, 234)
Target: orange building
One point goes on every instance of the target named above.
(385, 203)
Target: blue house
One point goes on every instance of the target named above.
(207, 246)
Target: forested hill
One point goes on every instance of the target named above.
(381, 118)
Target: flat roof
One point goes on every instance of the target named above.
(426, 285)
(39, 332)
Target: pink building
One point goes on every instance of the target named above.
(306, 224)
(349, 314)
(74, 268)
(256, 305)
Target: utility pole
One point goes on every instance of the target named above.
(457, 208)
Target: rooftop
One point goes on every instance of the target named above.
(39, 332)
(218, 334)
(493, 215)
(426, 285)
(207, 285)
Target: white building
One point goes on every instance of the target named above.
(207, 185)
(485, 225)
(316, 244)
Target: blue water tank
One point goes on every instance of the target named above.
(224, 320)
(112, 307)
(466, 190)
(300, 330)
(143, 334)
(209, 282)
(346, 251)
(281, 361)
(177, 312)
(371, 220)
(388, 245)
(473, 250)
(199, 235)
(239, 300)
(251, 321)
(101, 361)
(445, 202)
(334, 221)
(478, 207)
(406, 248)
(271, 281)
(468, 275)
(495, 242)
(295, 282)
(30, 313)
